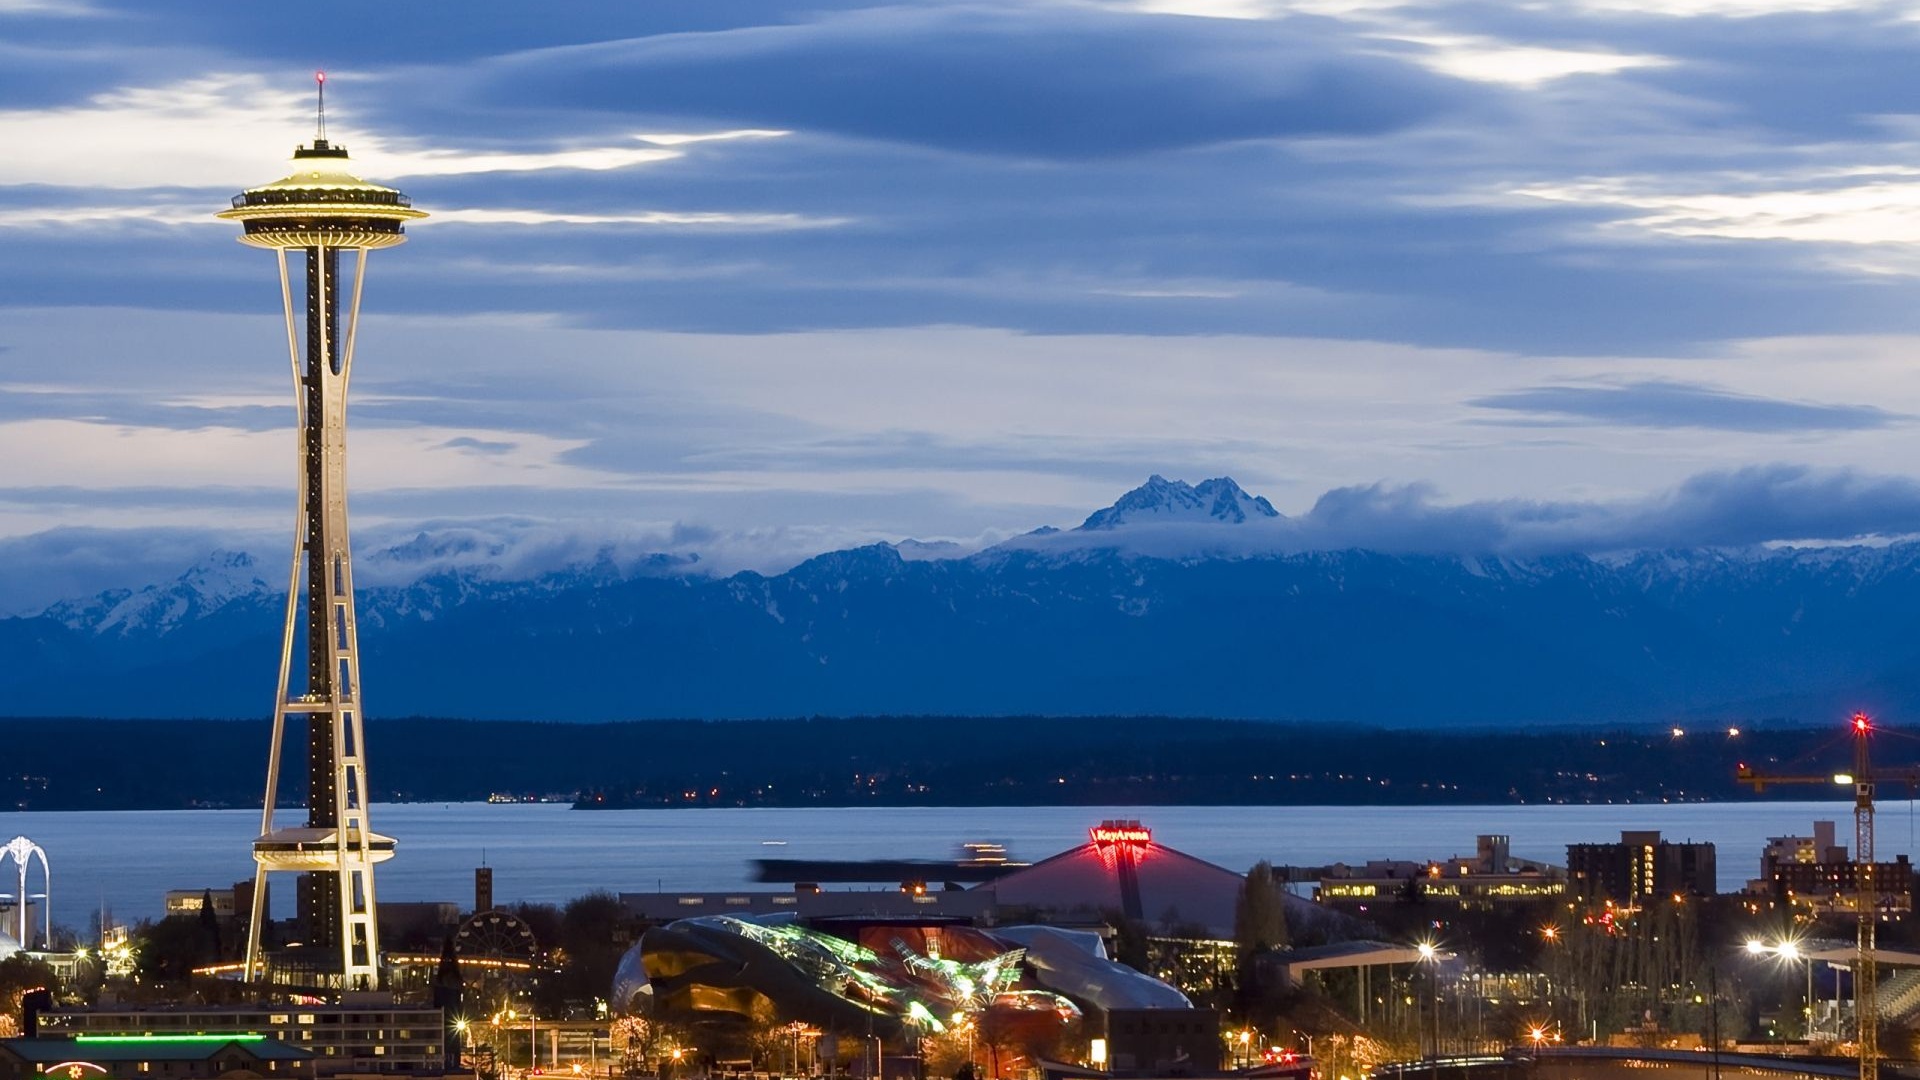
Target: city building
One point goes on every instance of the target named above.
(67, 964)
(175, 1057)
(1119, 873)
(227, 902)
(116, 950)
(1828, 888)
(881, 976)
(307, 220)
(1813, 875)
(364, 1033)
(1640, 866)
(418, 919)
(1122, 869)
(1490, 878)
(1157, 1042)
(190, 901)
(1821, 847)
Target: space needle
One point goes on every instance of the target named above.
(308, 220)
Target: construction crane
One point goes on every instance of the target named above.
(1862, 778)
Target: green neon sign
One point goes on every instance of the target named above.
(151, 1039)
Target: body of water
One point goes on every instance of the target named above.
(127, 860)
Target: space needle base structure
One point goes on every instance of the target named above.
(309, 220)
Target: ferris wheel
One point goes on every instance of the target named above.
(498, 936)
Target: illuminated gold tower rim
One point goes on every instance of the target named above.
(322, 205)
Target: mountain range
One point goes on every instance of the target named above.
(1170, 602)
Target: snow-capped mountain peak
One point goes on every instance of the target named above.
(206, 586)
(1162, 501)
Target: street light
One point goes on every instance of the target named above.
(1790, 951)
(1430, 955)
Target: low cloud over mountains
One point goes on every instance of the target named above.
(1379, 604)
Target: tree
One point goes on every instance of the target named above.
(1260, 912)
(170, 949)
(448, 993)
(448, 989)
(1129, 941)
(633, 1038)
(210, 926)
(19, 976)
(594, 931)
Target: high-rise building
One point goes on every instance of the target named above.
(1639, 867)
(308, 220)
(1814, 873)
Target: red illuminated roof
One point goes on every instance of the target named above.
(1157, 882)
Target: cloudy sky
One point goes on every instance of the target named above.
(761, 278)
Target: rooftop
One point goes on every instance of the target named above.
(52, 1050)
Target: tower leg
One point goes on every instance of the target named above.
(255, 922)
(278, 740)
(336, 890)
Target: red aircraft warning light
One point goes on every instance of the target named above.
(1860, 723)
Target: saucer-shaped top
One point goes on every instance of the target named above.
(322, 205)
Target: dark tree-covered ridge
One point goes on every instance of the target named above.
(910, 761)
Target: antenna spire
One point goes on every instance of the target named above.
(320, 87)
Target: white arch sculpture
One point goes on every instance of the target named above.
(22, 851)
